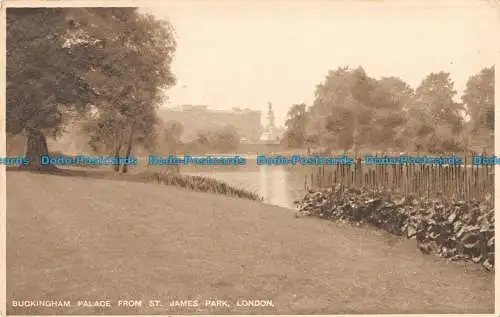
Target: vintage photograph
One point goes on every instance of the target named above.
(250, 157)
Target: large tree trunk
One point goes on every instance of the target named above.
(36, 147)
(129, 147)
(118, 148)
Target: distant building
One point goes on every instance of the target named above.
(196, 118)
(244, 140)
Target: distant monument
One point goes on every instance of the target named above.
(271, 133)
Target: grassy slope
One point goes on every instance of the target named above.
(75, 238)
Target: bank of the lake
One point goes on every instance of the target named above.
(72, 237)
(279, 185)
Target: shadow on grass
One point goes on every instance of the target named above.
(192, 183)
(53, 170)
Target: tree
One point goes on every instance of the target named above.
(296, 124)
(221, 139)
(479, 98)
(226, 139)
(112, 60)
(355, 109)
(44, 81)
(171, 135)
(135, 65)
(383, 114)
(437, 120)
(331, 115)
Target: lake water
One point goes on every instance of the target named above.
(278, 185)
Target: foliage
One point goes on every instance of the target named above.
(199, 183)
(134, 64)
(296, 124)
(170, 141)
(220, 140)
(44, 80)
(479, 98)
(437, 118)
(63, 62)
(352, 109)
(453, 229)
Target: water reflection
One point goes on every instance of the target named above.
(278, 185)
(273, 183)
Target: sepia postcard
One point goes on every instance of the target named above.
(228, 157)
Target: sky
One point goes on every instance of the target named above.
(246, 53)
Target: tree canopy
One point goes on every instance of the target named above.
(352, 109)
(65, 62)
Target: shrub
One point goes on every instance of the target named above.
(452, 229)
(198, 183)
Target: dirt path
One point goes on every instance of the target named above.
(72, 238)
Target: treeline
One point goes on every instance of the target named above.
(107, 68)
(217, 140)
(353, 111)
